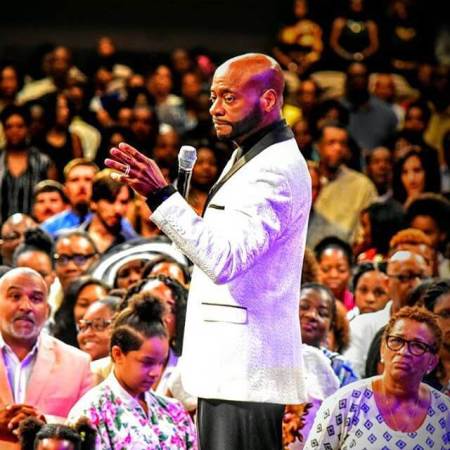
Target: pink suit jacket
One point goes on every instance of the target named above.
(60, 376)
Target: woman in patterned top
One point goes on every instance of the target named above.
(394, 410)
(125, 413)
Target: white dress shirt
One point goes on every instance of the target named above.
(19, 372)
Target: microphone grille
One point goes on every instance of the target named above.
(187, 157)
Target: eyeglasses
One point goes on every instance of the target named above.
(77, 258)
(95, 325)
(404, 278)
(416, 348)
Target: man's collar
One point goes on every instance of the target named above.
(248, 143)
(4, 345)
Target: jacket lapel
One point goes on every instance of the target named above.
(40, 375)
(281, 133)
(6, 396)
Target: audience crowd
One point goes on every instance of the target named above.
(367, 98)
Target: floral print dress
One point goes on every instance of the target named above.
(122, 423)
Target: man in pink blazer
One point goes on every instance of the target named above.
(39, 375)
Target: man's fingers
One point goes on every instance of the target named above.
(131, 151)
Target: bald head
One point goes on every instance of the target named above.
(258, 69)
(246, 95)
(22, 273)
(23, 308)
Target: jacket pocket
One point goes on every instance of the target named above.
(213, 312)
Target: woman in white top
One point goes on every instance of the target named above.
(393, 410)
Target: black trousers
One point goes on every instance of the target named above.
(231, 425)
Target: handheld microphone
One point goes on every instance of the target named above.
(186, 160)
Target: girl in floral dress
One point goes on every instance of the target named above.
(125, 413)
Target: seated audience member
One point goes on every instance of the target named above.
(395, 408)
(385, 89)
(379, 170)
(129, 273)
(418, 242)
(165, 265)
(37, 435)
(299, 45)
(354, 35)
(372, 122)
(75, 253)
(370, 287)
(430, 213)
(37, 370)
(437, 300)
(334, 257)
(204, 175)
(49, 199)
(374, 366)
(58, 142)
(405, 270)
(139, 340)
(78, 175)
(36, 252)
(346, 192)
(11, 82)
(410, 177)
(22, 166)
(317, 313)
(109, 203)
(13, 234)
(79, 295)
(94, 328)
(378, 223)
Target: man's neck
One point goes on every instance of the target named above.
(329, 173)
(256, 134)
(21, 347)
(98, 227)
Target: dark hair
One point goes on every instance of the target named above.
(318, 287)
(35, 240)
(141, 318)
(50, 186)
(19, 73)
(31, 430)
(65, 327)
(385, 220)
(106, 188)
(423, 106)
(415, 295)
(112, 302)
(433, 205)
(369, 154)
(320, 131)
(146, 272)
(14, 110)
(365, 267)
(435, 290)
(431, 184)
(335, 243)
(76, 233)
(179, 293)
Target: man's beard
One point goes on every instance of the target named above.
(246, 126)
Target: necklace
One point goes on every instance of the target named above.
(412, 413)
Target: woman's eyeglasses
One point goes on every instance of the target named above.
(95, 325)
(416, 348)
(77, 258)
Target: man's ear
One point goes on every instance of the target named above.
(269, 100)
(116, 354)
(93, 206)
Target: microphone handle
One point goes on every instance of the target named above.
(184, 182)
